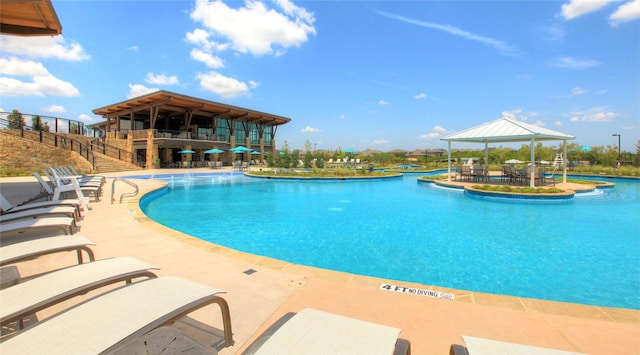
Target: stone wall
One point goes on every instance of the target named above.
(17, 153)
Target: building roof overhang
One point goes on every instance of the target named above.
(171, 104)
(29, 18)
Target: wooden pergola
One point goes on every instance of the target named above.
(29, 18)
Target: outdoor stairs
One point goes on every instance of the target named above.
(107, 165)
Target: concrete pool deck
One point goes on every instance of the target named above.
(258, 299)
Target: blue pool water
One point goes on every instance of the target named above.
(585, 250)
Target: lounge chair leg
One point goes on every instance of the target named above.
(226, 320)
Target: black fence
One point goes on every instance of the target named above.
(55, 139)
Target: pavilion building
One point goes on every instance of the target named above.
(158, 126)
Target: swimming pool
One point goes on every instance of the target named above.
(585, 250)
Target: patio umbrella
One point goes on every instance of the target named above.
(240, 149)
(186, 151)
(255, 152)
(585, 148)
(514, 161)
(350, 150)
(214, 151)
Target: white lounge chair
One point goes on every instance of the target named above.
(62, 211)
(41, 204)
(480, 346)
(58, 191)
(94, 189)
(114, 319)
(65, 224)
(73, 171)
(31, 296)
(34, 248)
(316, 332)
(64, 174)
(8, 212)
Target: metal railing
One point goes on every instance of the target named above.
(126, 194)
(55, 139)
(99, 146)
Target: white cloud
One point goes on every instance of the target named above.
(557, 123)
(502, 47)
(518, 115)
(439, 129)
(595, 117)
(421, 95)
(207, 58)
(43, 47)
(539, 123)
(42, 82)
(571, 63)
(342, 116)
(436, 132)
(136, 90)
(253, 84)
(577, 8)
(310, 130)
(200, 38)
(224, 86)
(20, 67)
(628, 11)
(161, 79)
(430, 135)
(380, 142)
(254, 28)
(133, 49)
(89, 119)
(551, 33)
(383, 102)
(578, 91)
(54, 109)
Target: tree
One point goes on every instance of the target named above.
(36, 123)
(16, 121)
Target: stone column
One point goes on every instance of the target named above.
(153, 159)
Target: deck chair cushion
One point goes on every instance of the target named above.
(41, 292)
(65, 224)
(316, 332)
(113, 319)
(52, 211)
(34, 248)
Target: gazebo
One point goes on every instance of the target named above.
(506, 130)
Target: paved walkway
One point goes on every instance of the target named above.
(260, 290)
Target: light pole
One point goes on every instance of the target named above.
(613, 135)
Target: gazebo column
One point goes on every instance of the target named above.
(449, 162)
(564, 162)
(486, 154)
(532, 177)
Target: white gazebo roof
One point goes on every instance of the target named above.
(506, 130)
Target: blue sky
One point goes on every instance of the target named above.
(351, 74)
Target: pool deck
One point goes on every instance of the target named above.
(258, 299)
